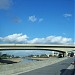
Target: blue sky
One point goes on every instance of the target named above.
(37, 21)
(37, 18)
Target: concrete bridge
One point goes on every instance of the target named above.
(50, 47)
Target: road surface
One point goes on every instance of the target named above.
(55, 69)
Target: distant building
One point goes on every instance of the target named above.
(54, 53)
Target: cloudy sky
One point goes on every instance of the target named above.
(37, 21)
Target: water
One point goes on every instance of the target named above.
(27, 60)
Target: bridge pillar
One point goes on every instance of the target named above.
(65, 54)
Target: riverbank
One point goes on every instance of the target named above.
(38, 59)
(15, 59)
(10, 61)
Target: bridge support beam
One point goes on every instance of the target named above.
(65, 54)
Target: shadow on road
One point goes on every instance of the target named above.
(6, 61)
(67, 72)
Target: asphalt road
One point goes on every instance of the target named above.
(55, 69)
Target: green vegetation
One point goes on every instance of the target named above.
(6, 56)
(43, 56)
(39, 56)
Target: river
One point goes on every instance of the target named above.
(27, 60)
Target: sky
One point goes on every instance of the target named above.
(37, 21)
(26, 52)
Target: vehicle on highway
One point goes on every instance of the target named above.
(71, 54)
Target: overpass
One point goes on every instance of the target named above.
(49, 47)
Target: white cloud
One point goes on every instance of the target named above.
(20, 38)
(17, 20)
(14, 38)
(51, 40)
(32, 18)
(41, 19)
(36, 40)
(35, 19)
(5, 4)
(67, 15)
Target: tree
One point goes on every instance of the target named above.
(0, 53)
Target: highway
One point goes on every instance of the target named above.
(55, 69)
